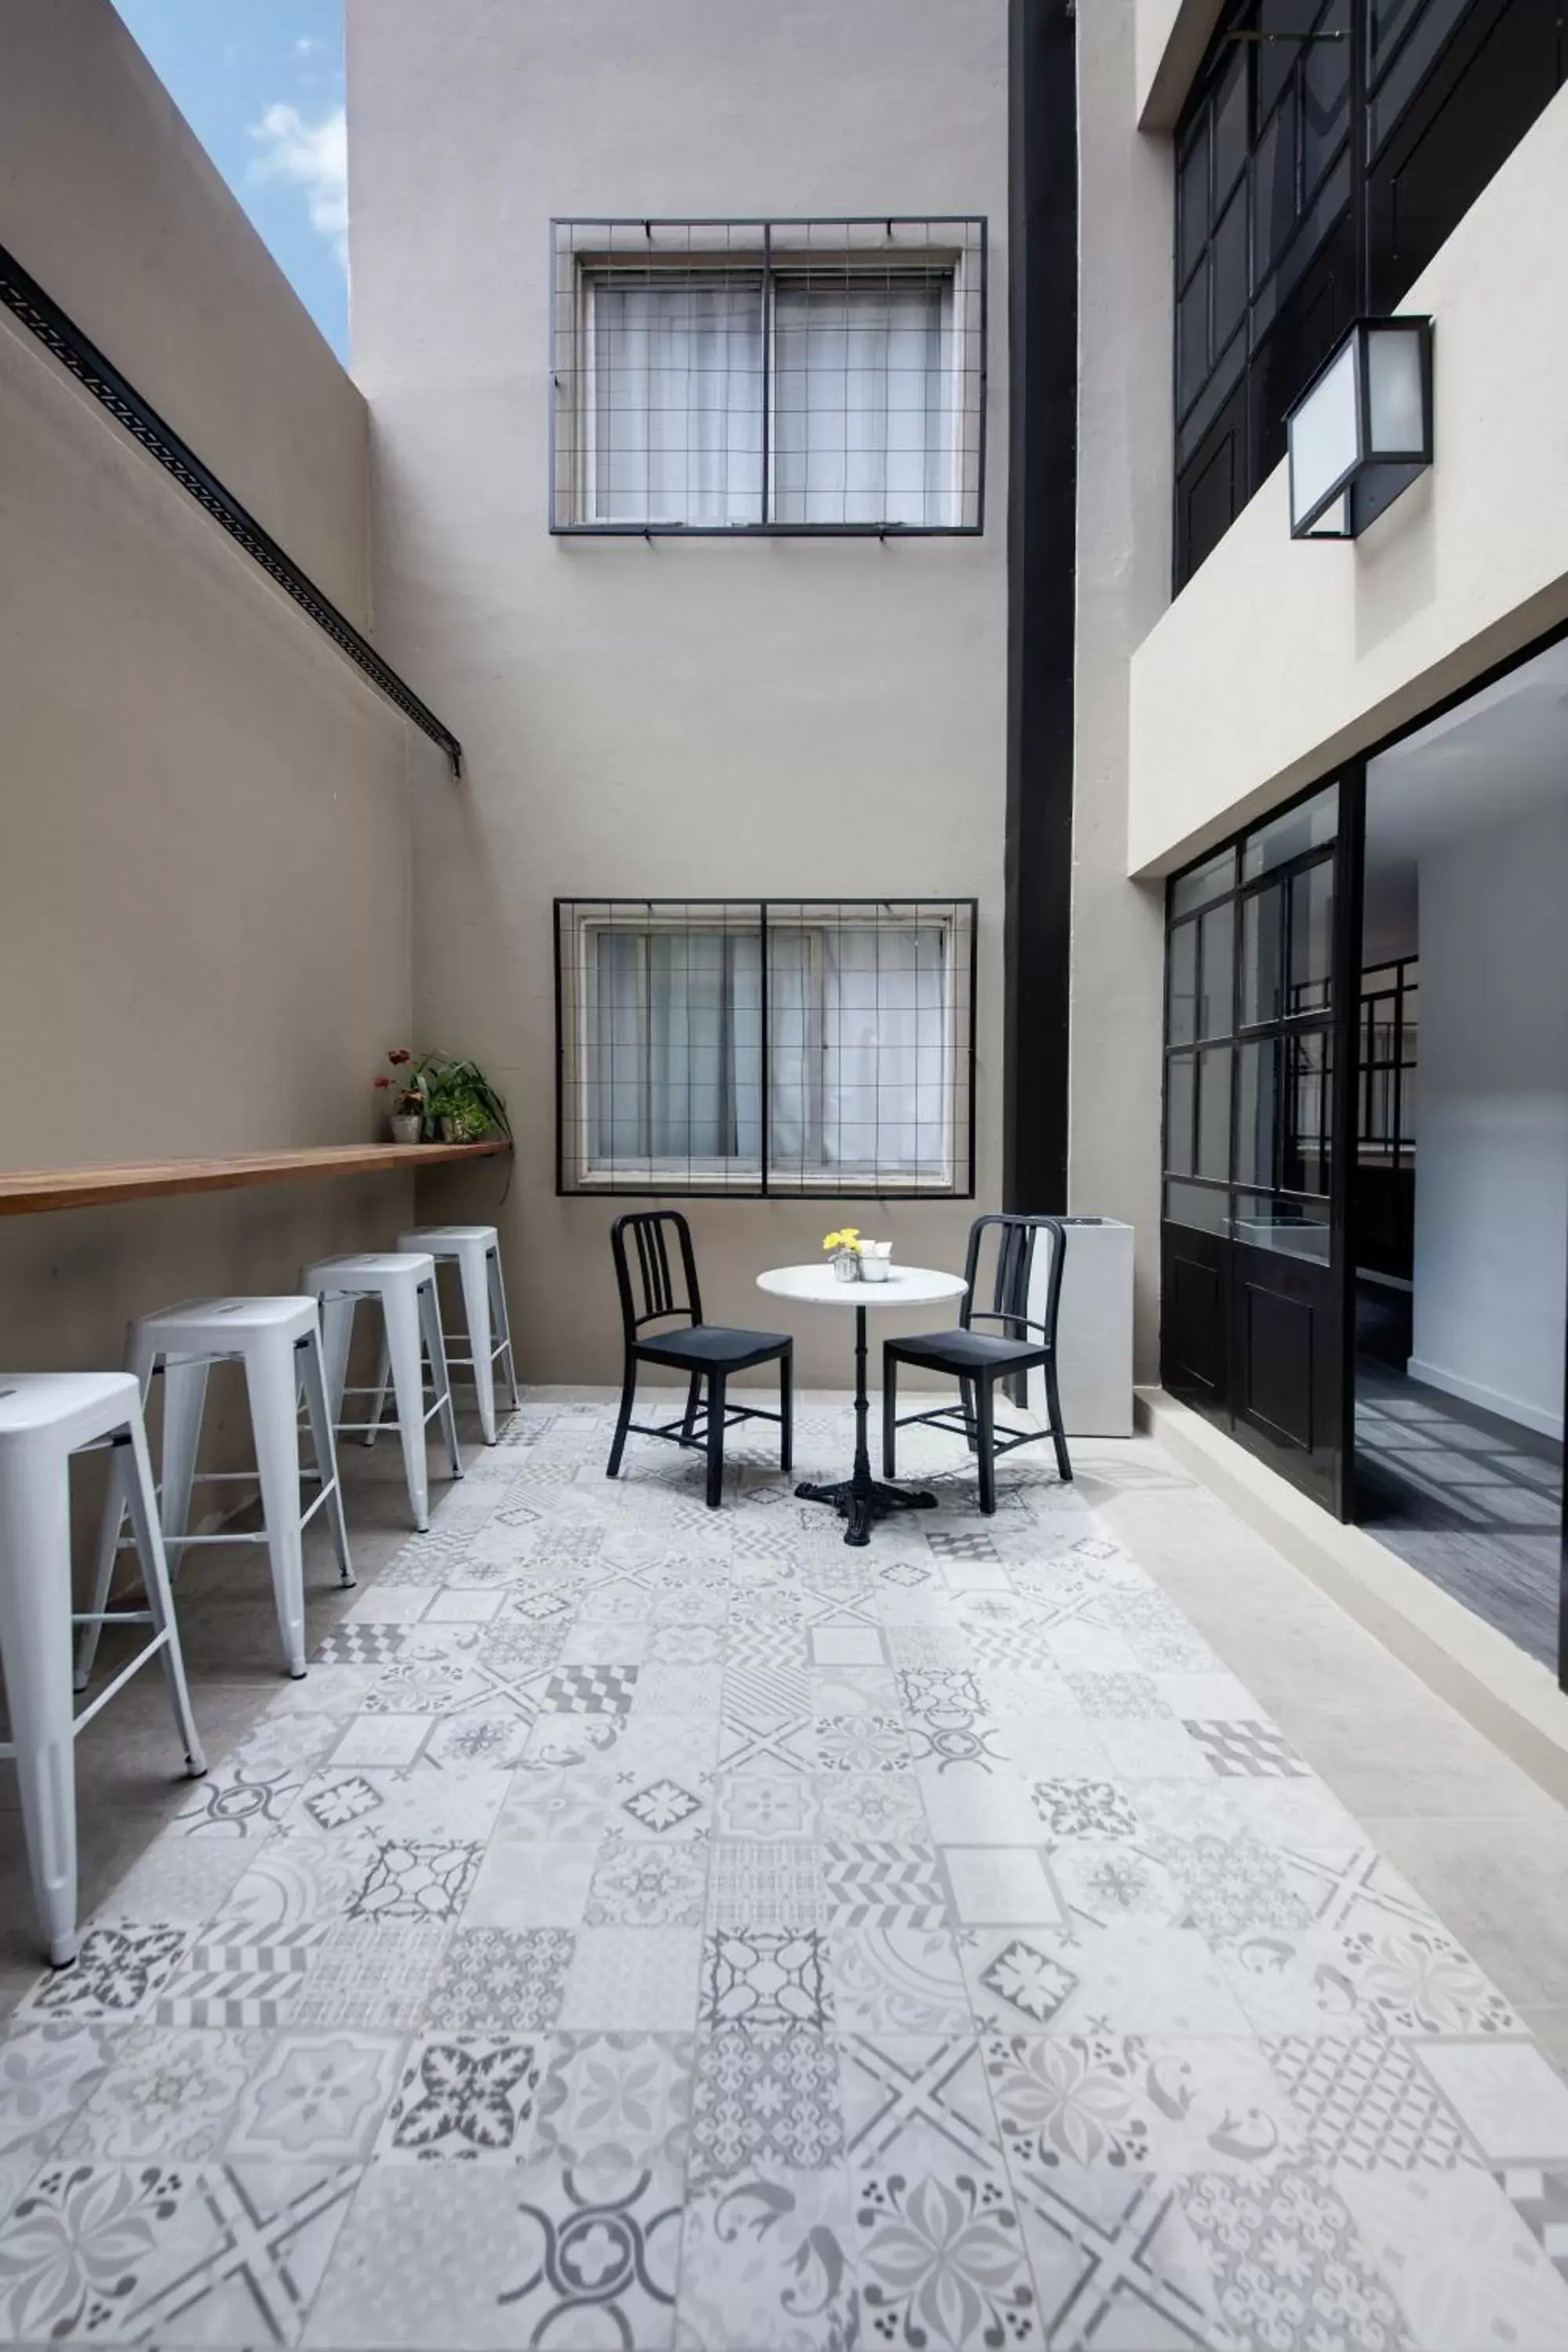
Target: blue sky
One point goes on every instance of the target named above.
(261, 82)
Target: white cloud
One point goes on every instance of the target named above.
(313, 156)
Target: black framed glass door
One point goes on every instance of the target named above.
(1253, 1274)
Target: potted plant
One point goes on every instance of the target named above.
(405, 1098)
(460, 1102)
(844, 1247)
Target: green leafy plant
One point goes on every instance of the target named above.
(460, 1092)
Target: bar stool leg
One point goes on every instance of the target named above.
(502, 1323)
(383, 1379)
(270, 1377)
(143, 1507)
(314, 1384)
(184, 1402)
(472, 1273)
(402, 1320)
(337, 1332)
(108, 1532)
(35, 1649)
(139, 1357)
(440, 1379)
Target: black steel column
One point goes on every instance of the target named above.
(1041, 562)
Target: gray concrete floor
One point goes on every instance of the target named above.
(1473, 1501)
(1481, 1843)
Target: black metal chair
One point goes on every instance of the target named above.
(978, 1360)
(707, 1352)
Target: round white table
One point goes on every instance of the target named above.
(862, 1498)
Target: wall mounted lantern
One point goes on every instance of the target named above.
(1361, 431)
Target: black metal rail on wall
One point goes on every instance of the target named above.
(25, 298)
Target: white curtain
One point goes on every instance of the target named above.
(677, 1062)
(678, 401)
(862, 414)
(859, 1074)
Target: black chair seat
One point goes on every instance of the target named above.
(968, 1352)
(713, 1343)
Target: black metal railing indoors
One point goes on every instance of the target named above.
(717, 376)
(1328, 150)
(795, 1047)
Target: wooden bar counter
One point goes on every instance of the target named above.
(26, 1190)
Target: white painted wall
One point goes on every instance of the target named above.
(1122, 581)
(1280, 658)
(1492, 1171)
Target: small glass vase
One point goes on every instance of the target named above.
(847, 1265)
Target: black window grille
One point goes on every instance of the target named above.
(787, 1047)
(1248, 1035)
(1327, 151)
(774, 375)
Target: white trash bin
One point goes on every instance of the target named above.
(1094, 1333)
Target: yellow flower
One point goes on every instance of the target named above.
(849, 1239)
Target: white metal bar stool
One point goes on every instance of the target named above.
(403, 1284)
(45, 1418)
(475, 1250)
(278, 1341)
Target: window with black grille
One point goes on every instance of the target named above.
(788, 375)
(780, 1046)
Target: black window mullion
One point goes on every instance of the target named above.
(764, 1145)
(767, 401)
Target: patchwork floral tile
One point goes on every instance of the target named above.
(117, 1974)
(634, 1979)
(637, 1883)
(929, 1945)
(502, 2257)
(1116, 2262)
(942, 2259)
(897, 1973)
(1287, 2261)
(766, 1883)
(768, 2261)
(462, 2096)
(48, 2072)
(171, 2092)
(209, 2255)
(614, 2099)
(500, 1980)
(755, 1805)
(766, 1977)
(765, 2099)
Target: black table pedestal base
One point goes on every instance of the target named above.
(862, 1498)
(864, 1501)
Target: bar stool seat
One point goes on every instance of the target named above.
(278, 1341)
(44, 1419)
(475, 1250)
(402, 1284)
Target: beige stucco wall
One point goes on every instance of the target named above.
(108, 200)
(1124, 582)
(747, 716)
(205, 882)
(1279, 660)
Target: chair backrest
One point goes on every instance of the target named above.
(643, 1277)
(1009, 1306)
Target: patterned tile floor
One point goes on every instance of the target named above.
(651, 1928)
